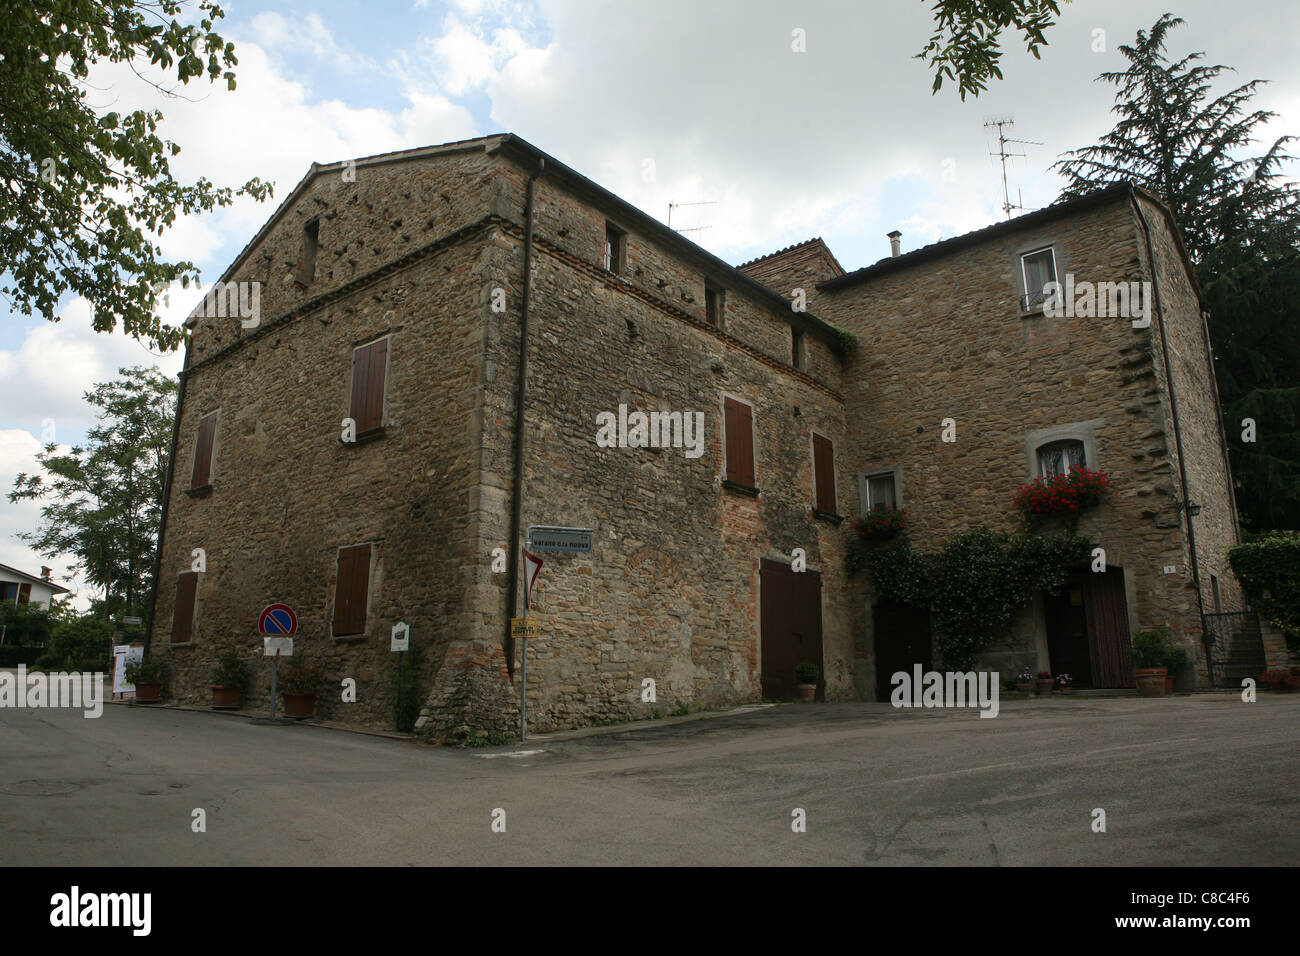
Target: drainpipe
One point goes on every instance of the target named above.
(1178, 432)
(517, 497)
(1223, 433)
(167, 494)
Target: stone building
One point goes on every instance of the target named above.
(352, 440)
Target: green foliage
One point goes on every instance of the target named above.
(1239, 212)
(406, 692)
(1269, 571)
(1153, 648)
(848, 341)
(231, 670)
(102, 503)
(975, 584)
(88, 189)
(84, 643)
(151, 670)
(486, 738)
(681, 710)
(965, 48)
(299, 677)
(28, 625)
(11, 655)
(806, 672)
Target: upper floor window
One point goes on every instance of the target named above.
(880, 491)
(798, 350)
(369, 378)
(204, 448)
(713, 303)
(1057, 458)
(615, 248)
(310, 238)
(185, 610)
(824, 473)
(1038, 269)
(738, 425)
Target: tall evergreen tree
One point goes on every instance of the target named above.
(1240, 218)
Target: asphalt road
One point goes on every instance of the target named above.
(1205, 780)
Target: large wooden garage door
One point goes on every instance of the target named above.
(791, 608)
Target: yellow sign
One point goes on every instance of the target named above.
(523, 627)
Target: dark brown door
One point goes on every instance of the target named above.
(1067, 632)
(901, 636)
(791, 605)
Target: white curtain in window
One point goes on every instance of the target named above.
(1057, 459)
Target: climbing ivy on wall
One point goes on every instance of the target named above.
(974, 584)
(1269, 572)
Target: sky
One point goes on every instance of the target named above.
(843, 140)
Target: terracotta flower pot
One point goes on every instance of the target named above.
(1024, 686)
(225, 698)
(1169, 685)
(1045, 685)
(148, 692)
(299, 705)
(1065, 689)
(1150, 681)
(807, 692)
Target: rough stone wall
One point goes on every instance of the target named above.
(1208, 476)
(670, 591)
(800, 267)
(946, 339)
(287, 493)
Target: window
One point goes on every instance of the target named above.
(1038, 268)
(204, 446)
(8, 591)
(369, 375)
(739, 426)
(352, 590)
(1058, 457)
(798, 349)
(187, 599)
(881, 492)
(310, 239)
(615, 248)
(24, 593)
(1214, 588)
(824, 473)
(713, 297)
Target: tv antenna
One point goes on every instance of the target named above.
(1003, 123)
(679, 205)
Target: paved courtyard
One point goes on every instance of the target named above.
(1205, 780)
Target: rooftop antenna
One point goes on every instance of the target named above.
(1003, 123)
(678, 205)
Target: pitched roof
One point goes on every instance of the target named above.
(815, 241)
(56, 588)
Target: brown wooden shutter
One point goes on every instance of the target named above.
(24, 593)
(203, 451)
(352, 590)
(369, 365)
(740, 443)
(187, 589)
(824, 473)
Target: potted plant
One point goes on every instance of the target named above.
(1045, 681)
(1063, 682)
(148, 676)
(1062, 495)
(1150, 652)
(228, 680)
(299, 683)
(806, 674)
(880, 524)
(1025, 682)
(1175, 661)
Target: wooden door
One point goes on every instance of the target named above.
(791, 606)
(1067, 632)
(901, 639)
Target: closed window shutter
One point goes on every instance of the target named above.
(187, 586)
(369, 365)
(24, 593)
(352, 590)
(824, 469)
(203, 451)
(740, 443)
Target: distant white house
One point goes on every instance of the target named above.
(19, 587)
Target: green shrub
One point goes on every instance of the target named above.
(13, 655)
(1153, 647)
(151, 670)
(299, 677)
(806, 672)
(84, 643)
(231, 670)
(26, 625)
(1269, 572)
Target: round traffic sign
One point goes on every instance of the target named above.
(277, 619)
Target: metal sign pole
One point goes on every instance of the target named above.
(275, 661)
(523, 694)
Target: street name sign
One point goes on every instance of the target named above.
(572, 540)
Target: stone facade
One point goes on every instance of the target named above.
(427, 248)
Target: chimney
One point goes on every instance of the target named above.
(45, 572)
(895, 238)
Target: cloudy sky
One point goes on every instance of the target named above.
(844, 140)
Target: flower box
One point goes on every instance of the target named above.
(1067, 494)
